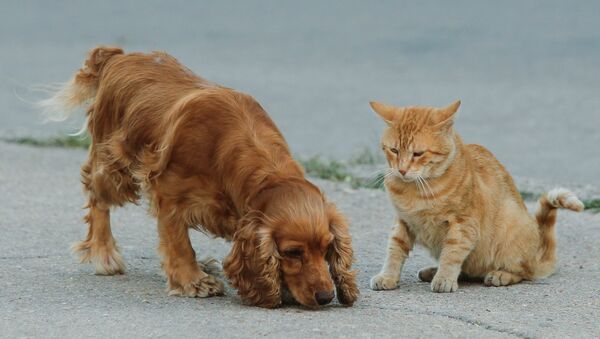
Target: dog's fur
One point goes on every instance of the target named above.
(206, 157)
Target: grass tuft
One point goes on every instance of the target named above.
(592, 204)
(366, 157)
(529, 196)
(65, 141)
(337, 171)
(329, 170)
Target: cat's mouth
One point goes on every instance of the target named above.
(407, 177)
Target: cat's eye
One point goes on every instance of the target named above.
(417, 154)
(394, 150)
(294, 253)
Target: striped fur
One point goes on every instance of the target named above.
(460, 203)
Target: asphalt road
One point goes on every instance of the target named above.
(45, 293)
(528, 72)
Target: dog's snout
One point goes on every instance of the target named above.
(324, 297)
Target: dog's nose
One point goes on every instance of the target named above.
(324, 297)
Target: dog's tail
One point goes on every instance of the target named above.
(546, 219)
(82, 88)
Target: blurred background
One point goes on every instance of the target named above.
(527, 72)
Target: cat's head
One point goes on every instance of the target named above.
(419, 141)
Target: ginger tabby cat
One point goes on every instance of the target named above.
(459, 202)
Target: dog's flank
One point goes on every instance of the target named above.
(460, 203)
(210, 158)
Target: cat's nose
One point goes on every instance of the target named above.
(403, 172)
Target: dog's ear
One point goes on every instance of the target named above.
(340, 258)
(252, 266)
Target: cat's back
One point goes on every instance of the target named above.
(490, 172)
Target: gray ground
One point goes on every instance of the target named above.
(528, 72)
(44, 292)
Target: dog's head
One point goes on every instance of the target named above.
(298, 242)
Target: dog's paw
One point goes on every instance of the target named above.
(207, 286)
(384, 282)
(443, 284)
(347, 292)
(106, 258)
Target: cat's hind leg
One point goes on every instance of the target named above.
(426, 275)
(501, 278)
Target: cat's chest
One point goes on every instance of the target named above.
(418, 212)
(424, 222)
(425, 217)
(430, 228)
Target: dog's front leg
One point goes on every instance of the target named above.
(184, 276)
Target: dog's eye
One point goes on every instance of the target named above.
(417, 154)
(394, 150)
(294, 253)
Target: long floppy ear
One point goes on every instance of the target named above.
(252, 266)
(340, 258)
(443, 118)
(386, 112)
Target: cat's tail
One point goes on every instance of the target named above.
(81, 88)
(546, 219)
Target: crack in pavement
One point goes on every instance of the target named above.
(463, 319)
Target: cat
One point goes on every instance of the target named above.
(459, 202)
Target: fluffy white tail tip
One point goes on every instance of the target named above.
(563, 198)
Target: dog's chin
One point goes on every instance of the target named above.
(287, 298)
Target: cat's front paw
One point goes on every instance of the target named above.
(443, 284)
(384, 282)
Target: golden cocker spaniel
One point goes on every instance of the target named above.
(210, 158)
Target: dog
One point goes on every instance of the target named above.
(209, 158)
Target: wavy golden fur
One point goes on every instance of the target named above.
(206, 157)
(459, 202)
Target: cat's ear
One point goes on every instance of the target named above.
(444, 117)
(386, 112)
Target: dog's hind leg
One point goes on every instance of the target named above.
(99, 247)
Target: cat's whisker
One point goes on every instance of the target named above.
(379, 171)
(421, 188)
(377, 181)
(378, 176)
(417, 184)
(431, 194)
(389, 172)
(384, 177)
(429, 188)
